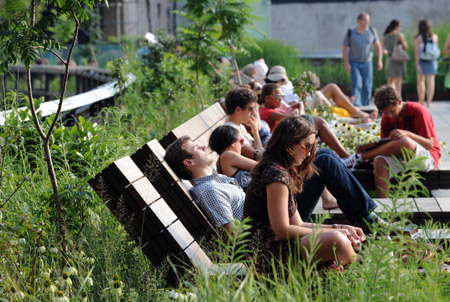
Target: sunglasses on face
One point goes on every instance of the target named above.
(307, 149)
(279, 96)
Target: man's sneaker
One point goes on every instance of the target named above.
(352, 161)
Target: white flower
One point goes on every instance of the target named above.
(70, 270)
(54, 250)
(22, 241)
(42, 249)
(173, 295)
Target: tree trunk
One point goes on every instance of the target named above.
(233, 59)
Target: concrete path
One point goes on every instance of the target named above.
(440, 110)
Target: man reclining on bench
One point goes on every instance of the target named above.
(408, 125)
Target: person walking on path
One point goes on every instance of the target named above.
(426, 69)
(395, 71)
(357, 55)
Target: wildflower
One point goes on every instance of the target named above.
(54, 250)
(22, 241)
(42, 249)
(173, 295)
(89, 281)
(70, 270)
(61, 297)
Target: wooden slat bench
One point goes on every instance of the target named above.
(151, 222)
(156, 209)
(199, 128)
(418, 210)
(433, 180)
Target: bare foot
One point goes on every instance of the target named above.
(429, 104)
(328, 200)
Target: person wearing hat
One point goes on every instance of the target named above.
(277, 74)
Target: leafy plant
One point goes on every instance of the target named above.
(21, 35)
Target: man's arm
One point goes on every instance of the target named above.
(426, 142)
(348, 68)
(379, 51)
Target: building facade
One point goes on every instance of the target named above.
(319, 26)
(137, 17)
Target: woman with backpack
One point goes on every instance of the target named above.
(426, 53)
(395, 68)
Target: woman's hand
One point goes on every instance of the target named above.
(355, 234)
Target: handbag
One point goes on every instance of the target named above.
(430, 51)
(399, 54)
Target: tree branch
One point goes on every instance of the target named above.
(55, 53)
(66, 74)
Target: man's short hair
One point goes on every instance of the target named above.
(386, 96)
(176, 153)
(239, 97)
(361, 16)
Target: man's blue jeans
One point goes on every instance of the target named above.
(362, 82)
(351, 197)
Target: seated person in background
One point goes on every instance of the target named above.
(222, 199)
(240, 106)
(241, 109)
(332, 92)
(272, 96)
(247, 75)
(279, 194)
(261, 69)
(277, 75)
(408, 125)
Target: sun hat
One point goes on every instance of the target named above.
(277, 73)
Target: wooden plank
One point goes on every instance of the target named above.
(143, 192)
(155, 253)
(114, 183)
(126, 171)
(180, 234)
(163, 213)
(444, 203)
(147, 226)
(384, 205)
(428, 207)
(198, 256)
(102, 187)
(123, 204)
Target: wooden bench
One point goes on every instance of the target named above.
(152, 223)
(199, 128)
(433, 180)
(156, 209)
(418, 210)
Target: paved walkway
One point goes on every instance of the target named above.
(440, 110)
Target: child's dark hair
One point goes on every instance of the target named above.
(222, 137)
